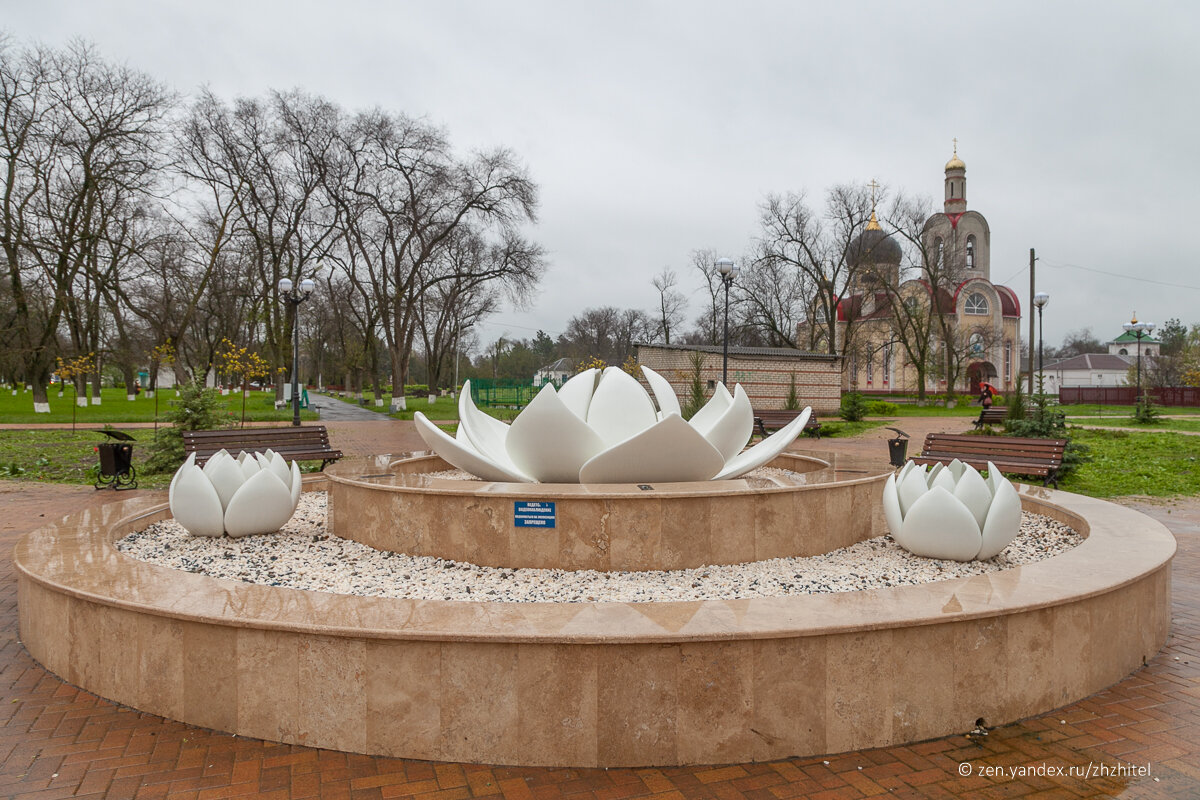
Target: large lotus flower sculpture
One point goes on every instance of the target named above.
(253, 493)
(951, 511)
(603, 427)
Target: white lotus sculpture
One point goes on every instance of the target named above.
(603, 427)
(951, 511)
(253, 493)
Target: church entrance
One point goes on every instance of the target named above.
(980, 372)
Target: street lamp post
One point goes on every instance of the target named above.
(729, 271)
(1139, 329)
(294, 297)
(1040, 299)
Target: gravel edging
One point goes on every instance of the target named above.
(303, 556)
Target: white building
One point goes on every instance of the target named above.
(556, 373)
(1089, 369)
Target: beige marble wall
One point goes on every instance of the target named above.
(601, 684)
(670, 528)
(601, 705)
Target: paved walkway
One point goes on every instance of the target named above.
(334, 409)
(57, 741)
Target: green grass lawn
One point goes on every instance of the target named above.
(60, 456)
(114, 408)
(1152, 464)
(1093, 410)
(1189, 425)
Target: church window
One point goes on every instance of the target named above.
(887, 365)
(1123, 352)
(870, 370)
(941, 251)
(1008, 362)
(976, 343)
(970, 252)
(977, 304)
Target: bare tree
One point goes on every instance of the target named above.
(817, 247)
(671, 303)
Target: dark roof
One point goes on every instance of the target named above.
(1089, 361)
(562, 365)
(873, 246)
(770, 352)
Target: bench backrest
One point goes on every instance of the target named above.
(306, 438)
(997, 448)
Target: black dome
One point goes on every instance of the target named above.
(873, 246)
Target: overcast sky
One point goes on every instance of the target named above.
(655, 129)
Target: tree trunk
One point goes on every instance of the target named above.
(130, 377)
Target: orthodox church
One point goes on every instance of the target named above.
(955, 279)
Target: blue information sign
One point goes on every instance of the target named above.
(533, 515)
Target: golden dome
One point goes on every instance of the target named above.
(955, 162)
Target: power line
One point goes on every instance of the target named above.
(1119, 275)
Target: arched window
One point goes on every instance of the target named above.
(977, 304)
(1123, 352)
(976, 343)
(941, 251)
(970, 252)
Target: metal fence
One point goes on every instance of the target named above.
(1127, 395)
(502, 392)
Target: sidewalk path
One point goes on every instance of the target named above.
(334, 409)
(57, 741)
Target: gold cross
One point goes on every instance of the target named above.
(874, 185)
(955, 145)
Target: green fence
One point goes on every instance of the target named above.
(501, 392)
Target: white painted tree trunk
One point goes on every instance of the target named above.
(398, 403)
(40, 408)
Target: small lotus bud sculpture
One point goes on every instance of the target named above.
(951, 511)
(253, 493)
(605, 428)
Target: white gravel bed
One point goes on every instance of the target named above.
(303, 556)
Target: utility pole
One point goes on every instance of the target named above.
(1032, 291)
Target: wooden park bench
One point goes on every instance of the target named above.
(775, 418)
(303, 443)
(991, 416)
(1038, 457)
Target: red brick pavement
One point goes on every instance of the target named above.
(57, 741)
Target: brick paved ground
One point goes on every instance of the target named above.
(57, 741)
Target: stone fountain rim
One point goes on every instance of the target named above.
(77, 557)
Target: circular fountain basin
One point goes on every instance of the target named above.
(802, 506)
(597, 684)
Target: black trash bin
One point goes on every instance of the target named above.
(116, 462)
(898, 448)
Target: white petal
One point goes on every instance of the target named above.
(620, 408)
(190, 461)
(933, 473)
(195, 504)
(908, 466)
(973, 492)
(262, 505)
(1003, 520)
(576, 393)
(226, 477)
(250, 467)
(486, 433)
(711, 411)
(938, 526)
(911, 488)
(280, 467)
(462, 455)
(956, 468)
(668, 403)
(297, 484)
(548, 442)
(766, 450)
(242, 456)
(668, 451)
(891, 506)
(944, 479)
(216, 458)
(994, 477)
(734, 427)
